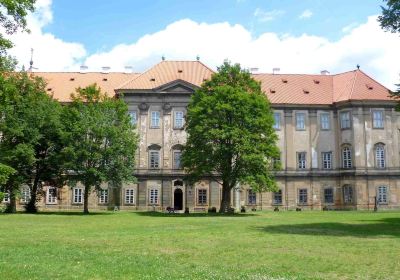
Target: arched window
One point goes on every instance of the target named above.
(176, 156)
(380, 161)
(346, 157)
(154, 156)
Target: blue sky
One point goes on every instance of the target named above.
(298, 36)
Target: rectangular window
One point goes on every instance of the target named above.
(25, 195)
(155, 119)
(6, 198)
(327, 160)
(300, 121)
(346, 157)
(301, 160)
(377, 119)
(277, 120)
(153, 199)
(177, 159)
(345, 120)
(51, 195)
(154, 159)
(201, 196)
(382, 195)
(302, 196)
(348, 194)
(178, 119)
(325, 121)
(103, 196)
(77, 195)
(328, 195)
(252, 197)
(276, 163)
(133, 117)
(129, 196)
(277, 197)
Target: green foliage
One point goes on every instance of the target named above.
(230, 133)
(390, 18)
(100, 140)
(5, 172)
(12, 17)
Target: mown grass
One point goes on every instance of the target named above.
(263, 245)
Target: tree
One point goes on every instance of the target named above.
(100, 141)
(12, 17)
(30, 128)
(5, 172)
(230, 133)
(390, 18)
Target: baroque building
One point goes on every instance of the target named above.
(338, 136)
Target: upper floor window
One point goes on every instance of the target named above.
(133, 117)
(51, 195)
(380, 156)
(325, 121)
(77, 195)
(328, 195)
(345, 120)
(252, 197)
(377, 119)
(302, 196)
(277, 197)
(346, 157)
(25, 194)
(103, 196)
(177, 159)
(129, 196)
(178, 119)
(301, 160)
(153, 197)
(155, 119)
(277, 163)
(201, 196)
(154, 158)
(277, 120)
(300, 121)
(348, 195)
(382, 194)
(327, 160)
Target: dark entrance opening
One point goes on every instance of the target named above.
(178, 199)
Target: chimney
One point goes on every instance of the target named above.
(254, 70)
(83, 69)
(128, 69)
(105, 69)
(276, 70)
(325, 72)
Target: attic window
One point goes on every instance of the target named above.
(305, 91)
(49, 89)
(180, 70)
(316, 82)
(370, 87)
(204, 80)
(272, 90)
(284, 81)
(152, 80)
(105, 80)
(72, 79)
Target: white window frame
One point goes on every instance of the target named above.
(202, 198)
(251, 197)
(326, 160)
(154, 159)
(103, 196)
(300, 121)
(179, 120)
(348, 194)
(6, 198)
(153, 196)
(331, 195)
(175, 159)
(382, 194)
(155, 119)
(133, 117)
(325, 119)
(51, 198)
(25, 194)
(277, 121)
(345, 120)
(377, 119)
(77, 195)
(277, 197)
(380, 156)
(129, 196)
(303, 196)
(347, 161)
(301, 160)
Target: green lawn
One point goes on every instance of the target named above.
(262, 245)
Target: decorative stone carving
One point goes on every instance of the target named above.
(143, 106)
(167, 107)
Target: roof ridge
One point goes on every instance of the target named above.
(141, 74)
(354, 83)
(362, 72)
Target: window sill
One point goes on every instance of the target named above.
(154, 127)
(51, 203)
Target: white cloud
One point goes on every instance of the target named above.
(264, 16)
(305, 14)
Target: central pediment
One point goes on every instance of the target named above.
(177, 86)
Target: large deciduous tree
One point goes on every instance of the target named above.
(390, 18)
(230, 133)
(100, 141)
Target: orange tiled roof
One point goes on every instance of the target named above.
(280, 88)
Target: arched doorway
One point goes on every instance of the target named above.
(178, 199)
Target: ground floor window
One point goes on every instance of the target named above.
(328, 195)
(348, 194)
(277, 197)
(129, 196)
(6, 198)
(382, 194)
(302, 196)
(252, 197)
(201, 196)
(51, 195)
(77, 195)
(103, 196)
(25, 194)
(153, 199)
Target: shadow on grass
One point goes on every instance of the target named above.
(382, 227)
(71, 213)
(192, 215)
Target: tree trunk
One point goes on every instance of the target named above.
(12, 207)
(31, 206)
(86, 200)
(226, 198)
